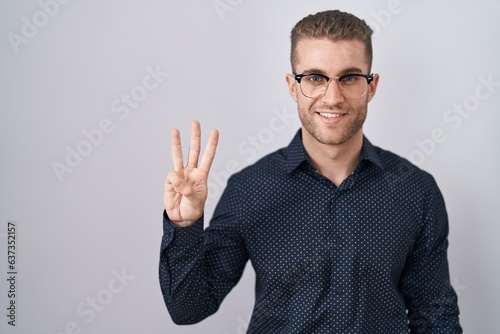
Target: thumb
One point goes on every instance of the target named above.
(178, 184)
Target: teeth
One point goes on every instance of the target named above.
(329, 115)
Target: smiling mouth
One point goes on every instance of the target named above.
(330, 115)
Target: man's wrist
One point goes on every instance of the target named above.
(182, 223)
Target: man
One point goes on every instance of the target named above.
(344, 237)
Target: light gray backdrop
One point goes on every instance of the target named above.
(90, 90)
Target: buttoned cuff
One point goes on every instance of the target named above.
(181, 236)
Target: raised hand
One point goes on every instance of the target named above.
(186, 187)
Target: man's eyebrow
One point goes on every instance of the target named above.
(315, 71)
(349, 70)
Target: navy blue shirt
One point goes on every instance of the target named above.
(369, 256)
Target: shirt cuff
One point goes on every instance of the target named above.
(181, 236)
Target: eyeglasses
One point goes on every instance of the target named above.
(315, 85)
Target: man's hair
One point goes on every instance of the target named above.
(333, 25)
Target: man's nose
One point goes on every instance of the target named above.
(333, 93)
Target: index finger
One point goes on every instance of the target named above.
(209, 154)
(177, 151)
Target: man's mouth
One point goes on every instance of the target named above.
(330, 115)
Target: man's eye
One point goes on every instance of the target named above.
(317, 79)
(348, 79)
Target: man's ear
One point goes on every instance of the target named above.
(372, 87)
(292, 87)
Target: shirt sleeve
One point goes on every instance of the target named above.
(198, 267)
(430, 298)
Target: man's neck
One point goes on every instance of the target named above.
(335, 162)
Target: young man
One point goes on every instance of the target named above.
(343, 236)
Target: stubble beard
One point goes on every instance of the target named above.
(335, 134)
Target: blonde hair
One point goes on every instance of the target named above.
(333, 25)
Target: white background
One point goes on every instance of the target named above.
(226, 67)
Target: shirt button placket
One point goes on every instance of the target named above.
(336, 244)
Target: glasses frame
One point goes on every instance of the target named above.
(298, 78)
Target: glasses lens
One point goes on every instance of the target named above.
(353, 86)
(313, 85)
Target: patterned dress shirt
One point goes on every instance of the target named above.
(369, 256)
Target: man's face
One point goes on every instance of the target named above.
(331, 119)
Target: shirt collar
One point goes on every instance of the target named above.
(369, 153)
(296, 153)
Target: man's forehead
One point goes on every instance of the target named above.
(322, 52)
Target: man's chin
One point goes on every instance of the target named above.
(334, 137)
(329, 138)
